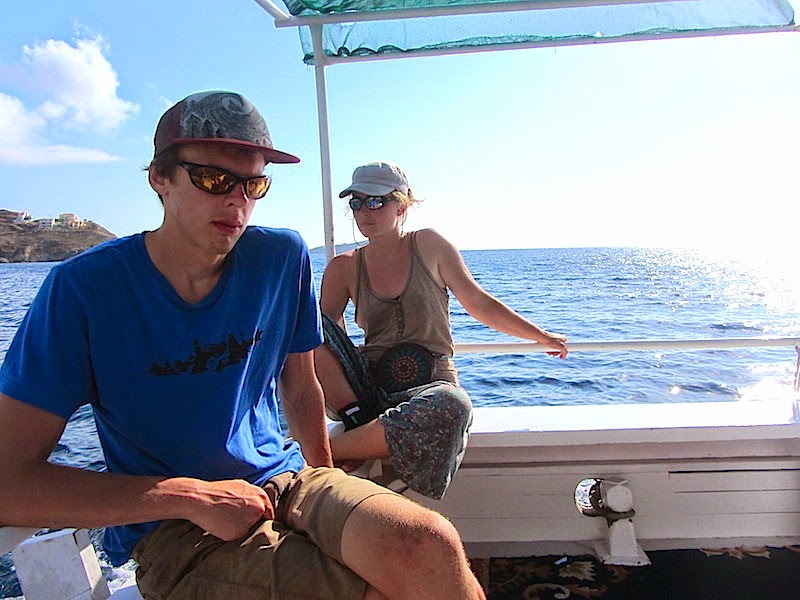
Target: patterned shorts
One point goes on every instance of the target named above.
(427, 427)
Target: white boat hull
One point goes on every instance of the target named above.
(701, 475)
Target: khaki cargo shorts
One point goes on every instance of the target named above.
(179, 561)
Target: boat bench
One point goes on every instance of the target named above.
(708, 474)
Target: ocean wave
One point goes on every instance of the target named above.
(737, 327)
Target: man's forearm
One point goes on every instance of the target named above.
(51, 495)
(61, 496)
(304, 408)
(306, 420)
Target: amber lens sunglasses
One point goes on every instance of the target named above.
(215, 180)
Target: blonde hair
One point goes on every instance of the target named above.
(408, 200)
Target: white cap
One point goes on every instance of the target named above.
(377, 179)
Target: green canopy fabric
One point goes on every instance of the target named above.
(543, 22)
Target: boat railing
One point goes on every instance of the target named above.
(641, 417)
(641, 345)
(626, 345)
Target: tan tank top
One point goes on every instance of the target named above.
(420, 314)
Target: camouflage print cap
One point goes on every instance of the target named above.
(217, 117)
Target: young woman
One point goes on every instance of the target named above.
(398, 394)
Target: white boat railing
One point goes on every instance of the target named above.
(615, 346)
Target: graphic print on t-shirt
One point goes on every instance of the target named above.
(209, 357)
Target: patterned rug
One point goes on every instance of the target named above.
(764, 573)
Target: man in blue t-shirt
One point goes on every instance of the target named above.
(181, 340)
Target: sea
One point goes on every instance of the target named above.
(587, 294)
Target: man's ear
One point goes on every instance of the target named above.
(157, 182)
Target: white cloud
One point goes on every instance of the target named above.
(79, 87)
(81, 83)
(51, 155)
(17, 125)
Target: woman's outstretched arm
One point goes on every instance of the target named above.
(443, 257)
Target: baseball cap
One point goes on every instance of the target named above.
(217, 117)
(377, 179)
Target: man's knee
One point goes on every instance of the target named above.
(406, 550)
(420, 529)
(434, 534)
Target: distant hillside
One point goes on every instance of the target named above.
(24, 242)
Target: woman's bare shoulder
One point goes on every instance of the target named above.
(342, 263)
(432, 241)
(347, 256)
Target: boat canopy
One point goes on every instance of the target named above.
(335, 31)
(353, 29)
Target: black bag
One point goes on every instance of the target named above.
(405, 366)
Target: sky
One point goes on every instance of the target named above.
(682, 143)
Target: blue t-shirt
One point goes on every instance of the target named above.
(177, 389)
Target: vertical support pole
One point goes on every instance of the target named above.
(324, 138)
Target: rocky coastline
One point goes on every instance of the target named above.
(27, 242)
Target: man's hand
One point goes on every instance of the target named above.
(228, 509)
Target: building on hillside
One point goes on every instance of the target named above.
(23, 217)
(70, 221)
(47, 223)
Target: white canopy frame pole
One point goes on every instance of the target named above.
(275, 11)
(324, 140)
(320, 62)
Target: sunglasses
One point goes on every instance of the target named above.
(215, 180)
(371, 202)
